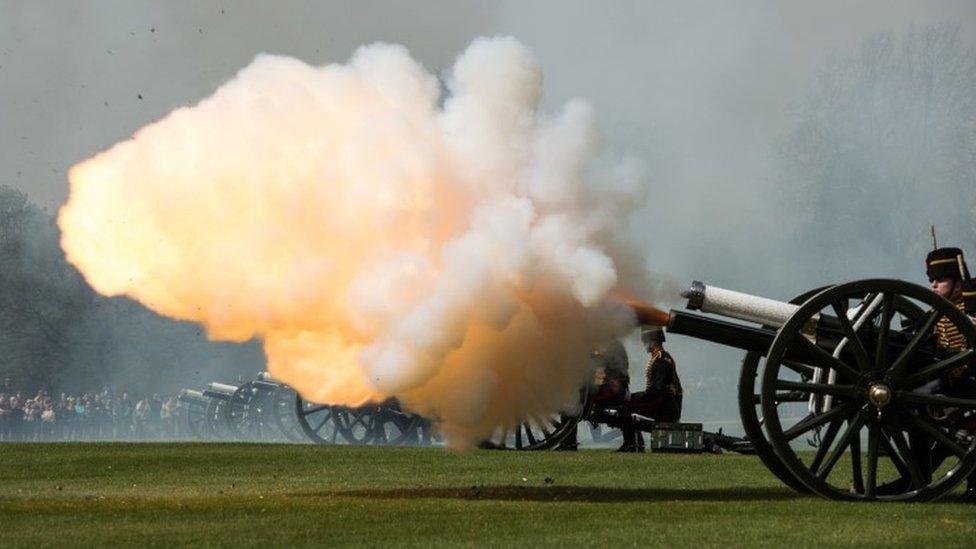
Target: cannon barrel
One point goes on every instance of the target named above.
(823, 330)
(220, 391)
(189, 396)
(738, 305)
(723, 332)
(771, 314)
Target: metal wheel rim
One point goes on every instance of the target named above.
(751, 424)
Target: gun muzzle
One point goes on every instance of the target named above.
(647, 314)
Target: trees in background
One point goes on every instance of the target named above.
(884, 146)
(55, 332)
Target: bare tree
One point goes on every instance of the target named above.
(885, 145)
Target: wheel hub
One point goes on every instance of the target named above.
(879, 395)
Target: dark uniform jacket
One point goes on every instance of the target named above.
(662, 398)
(614, 365)
(662, 376)
(947, 335)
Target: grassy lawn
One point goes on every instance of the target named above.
(273, 495)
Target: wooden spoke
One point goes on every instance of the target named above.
(825, 359)
(853, 430)
(857, 473)
(909, 397)
(528, 432)
(921, 335)
(853, 341)
(881, 351)
(783, 398)
(314, 409)
(792, 396)
(936, 370)
(321, 424)
(892, 453)
(848, 391)
(874, 440)
(825, 443)
(812, 421)
(935, 433)
(894, 431)
(803, 369)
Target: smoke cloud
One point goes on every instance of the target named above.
(460, 258)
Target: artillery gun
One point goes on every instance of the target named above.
(842, 391)
(261, 410)
(220, 395)
(257, 410)
(196, 413)
(853, 369)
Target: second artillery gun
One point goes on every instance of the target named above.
(852, 370)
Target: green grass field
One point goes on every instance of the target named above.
(273, 495)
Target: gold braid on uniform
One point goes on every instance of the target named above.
(947, 335)
(673, 388)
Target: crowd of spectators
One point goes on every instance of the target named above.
(101, 415)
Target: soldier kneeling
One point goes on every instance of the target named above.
(661, 400)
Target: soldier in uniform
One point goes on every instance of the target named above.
(611, 383)
(661, 400)
(947, 272)
(612, 375)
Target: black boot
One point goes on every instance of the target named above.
(630, 443)
(969, 496)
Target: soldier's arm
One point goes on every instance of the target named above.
(657, 381)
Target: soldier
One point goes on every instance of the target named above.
(612, 376)
(661, 400)
(949, 276)
(947, 272)
(611, 383)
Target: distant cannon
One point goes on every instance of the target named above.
(280, 406)
(261, 410)
(854, 399)
(196, 413)
(257, 410)
(220, 395)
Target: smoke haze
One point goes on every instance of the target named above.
(460, 259)
(710, 96)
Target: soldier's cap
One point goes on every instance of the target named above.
(969, 295)
(652, 334)
(946, 263)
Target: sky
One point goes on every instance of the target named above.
(699, 90)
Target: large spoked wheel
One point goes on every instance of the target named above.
(751, 415)
(317, 421)
(283, 414)
(216, 419)
(890, 422)
(359, 425)
(244, 413)
(196, 419)
(750, 410)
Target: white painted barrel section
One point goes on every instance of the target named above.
(746, 307)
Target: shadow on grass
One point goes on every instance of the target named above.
(586, 494)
